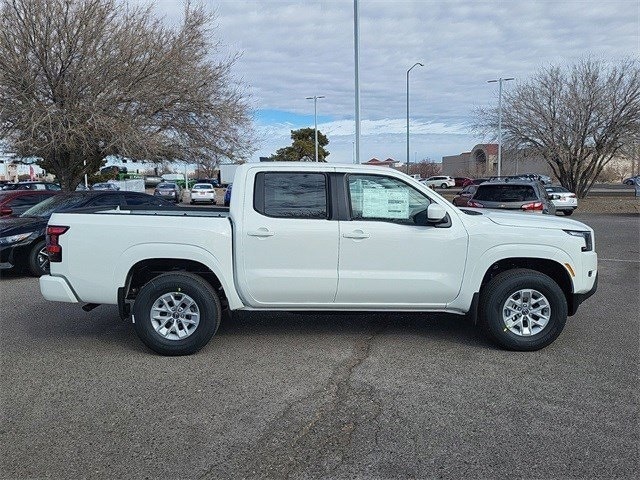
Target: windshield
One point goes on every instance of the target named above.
(167, 185)
(203, 186)
(54, 204)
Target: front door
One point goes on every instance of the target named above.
(386, 259)
(289, 245)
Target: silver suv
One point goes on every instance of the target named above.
(521, 195)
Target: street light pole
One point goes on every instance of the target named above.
(499, 81)
(315, 118)
(356, 61)
(414, 65)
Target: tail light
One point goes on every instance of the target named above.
(54, 249)
(533, 206)
(473, 204)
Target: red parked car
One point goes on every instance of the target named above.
(461, 181)
(15, 202)
(475, 181)
(465, 195)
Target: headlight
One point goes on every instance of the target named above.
(14, 238)
(588, 242)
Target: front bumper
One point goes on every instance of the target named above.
(578, 298)
(14, 254)
(56, 289)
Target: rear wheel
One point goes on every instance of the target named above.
(38, 260)
(522, 309)
(567, 212)
(444, 185)
(176, 313)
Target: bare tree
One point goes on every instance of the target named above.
(577, 118)
(425, 168)
(84, 79)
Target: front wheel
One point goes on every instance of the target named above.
(176, 313)
(38, 261)
(567, 212)
(523, 309)
(444, 185)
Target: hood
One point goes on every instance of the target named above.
(16, 225)
(532, 220)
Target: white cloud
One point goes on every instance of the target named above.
(293, 49)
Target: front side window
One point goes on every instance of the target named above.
(292, 195)
(375, 197)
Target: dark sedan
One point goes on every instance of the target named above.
(22, 239)
(16, 202)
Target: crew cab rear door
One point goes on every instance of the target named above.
(386, 259)
(286, 246)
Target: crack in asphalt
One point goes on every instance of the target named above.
(292, 446)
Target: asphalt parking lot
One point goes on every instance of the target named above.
(325, 395)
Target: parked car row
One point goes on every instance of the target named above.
(30, 186)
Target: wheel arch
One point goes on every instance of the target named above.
(553, 269)
(141, 263)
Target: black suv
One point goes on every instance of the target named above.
(508, 194)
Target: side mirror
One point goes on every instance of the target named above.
(5, 211)
(435, 213)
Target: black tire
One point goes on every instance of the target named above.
(567, 212)
(444, 185)
(190, 284)
(494, 295)
(35, 266)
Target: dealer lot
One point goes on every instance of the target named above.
(325, 395)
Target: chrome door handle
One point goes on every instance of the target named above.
(261, 232)
(357, 234)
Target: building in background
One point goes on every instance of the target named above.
(482, 160)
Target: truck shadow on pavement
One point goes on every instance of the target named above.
(103, 326)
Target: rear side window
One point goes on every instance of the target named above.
(291, 195)
(506, 193)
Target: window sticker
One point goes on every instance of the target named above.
(385, 203)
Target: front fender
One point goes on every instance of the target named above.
(478, 268)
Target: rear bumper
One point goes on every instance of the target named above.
(578, 298)
(56, 289)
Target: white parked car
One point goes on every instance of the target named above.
(308, 238)
(203, 192)
(441, 181)
(564, 200)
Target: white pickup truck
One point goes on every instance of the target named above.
(322, 237)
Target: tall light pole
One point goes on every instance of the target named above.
(356, 54)
(414, 65)
(315, 118)
(499, 81)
